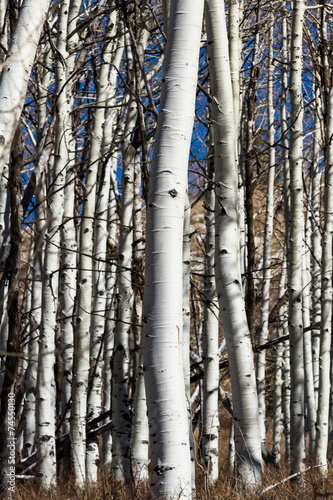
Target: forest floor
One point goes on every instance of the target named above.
(315, 486)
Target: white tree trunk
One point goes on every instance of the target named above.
(296, 247)
(110, 119)
(210, 416)
(46, 456)
(228, 279)
(94, 402)
(264, 312)
(16, 71)
(139, 430)
(308, 365)
(168, 424)
(121, 431)
(187, 324)
(316, 175)
(326, 293)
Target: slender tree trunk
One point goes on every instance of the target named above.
(296, 247)
(316, 245)
(228, 280)
(210, 424)
(12, 274)
(14, 78)
(168, 425)
(326, 293)
(249, 168)
(97, 319)
(278, 375)
(264, 316)
(308, 366)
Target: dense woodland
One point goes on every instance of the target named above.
(166, 222)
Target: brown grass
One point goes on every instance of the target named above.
(315, 486)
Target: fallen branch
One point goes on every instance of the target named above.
(288, 478)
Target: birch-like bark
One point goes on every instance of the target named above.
(121, 435)
(278, 375)
(16, 71)
(234, 36)
(68, 259)
(210, 424)
(316, 244)
(187, 324)
(326, 291)
(46, 456)
(284, 122)
(264, 312)
(121, 431)
(140, 430)
(40, 227)
(228, 280)
(29, 434)
(94, 402)
(110, 119)
(308, 366)
(296, 247)
(110, 320)
(167, 414)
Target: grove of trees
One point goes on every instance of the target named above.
(166, 224)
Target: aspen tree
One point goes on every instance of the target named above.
(121, 432)
(45, 421)
(110, 169)
(187, 324)
(326, 288)
(278, 374)
(210, 418)
(165, 388)
(234, 36)
(139, 427)
(16, 71)
(296, 247)
(68, 258)
(264, 312)
(228, 280)
(94, 400)
(308, 365)
(316, 242)
(29, 433)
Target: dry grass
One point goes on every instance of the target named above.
(315, 486)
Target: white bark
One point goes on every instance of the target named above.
(308, 366)
(16, 71)
(121, 437)
(121, 431)
(139, 430)
(29, 435)
(187, 324)
(46, 457)
(264, 312)
(168, 425)
(326, 293)
(94, 402)
(228, 279)
(296, 247)
(210, 424)
(110, 118)
(316, 245)
(68, 259)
